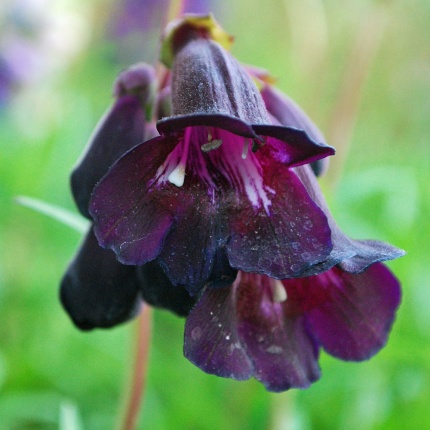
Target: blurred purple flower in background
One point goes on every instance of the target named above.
(37, 40)
(135, 25)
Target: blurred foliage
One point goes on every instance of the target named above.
(52, 375)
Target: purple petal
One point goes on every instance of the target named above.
(368, 252)
(211, 340)
(353, 255)
(131, 215)
(297, 148)
(142, 216)
(121, 128)
(239, 332)
(354, 320)
(252, 207)
(288, 113)
(138, 80)
(189, 249)
(175, 123)
(157, 290)
(206, 79)
(286, 236)
(210, 88)
(96, 290)
(283, 352)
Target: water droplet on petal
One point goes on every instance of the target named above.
(274, 349)
(196, 333)
(295, 267)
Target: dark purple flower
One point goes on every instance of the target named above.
(222, 215)
(272, 330)
(121, 128)
(97, 290)
(216, 190)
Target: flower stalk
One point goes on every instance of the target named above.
(135, 387)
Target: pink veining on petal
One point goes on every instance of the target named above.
(230, 158)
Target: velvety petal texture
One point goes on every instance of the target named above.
(158, 291)
(288, 113)
(217, 186)
(353, 256)
(209, 87)
(168, 200)
(271, 330)
(211, 339)
(353, 319)
(217, 215)
(133, 228)
(241, 332)
(122, 127)
(97, 291)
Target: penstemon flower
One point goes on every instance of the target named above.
(220, 217)
(97, 290)
(215, 192)
(272, 330)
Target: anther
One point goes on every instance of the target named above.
(210, 146)
(279, 292)
(177, 176)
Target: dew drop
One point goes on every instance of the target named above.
(306, 256)
(196, 333)
(295, 267)
(274, 349)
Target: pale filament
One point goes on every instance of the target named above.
(245, 149)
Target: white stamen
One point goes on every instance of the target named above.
(278, 290)
(177, 176)
(245, 149)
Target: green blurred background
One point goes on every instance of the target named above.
(361, 69)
